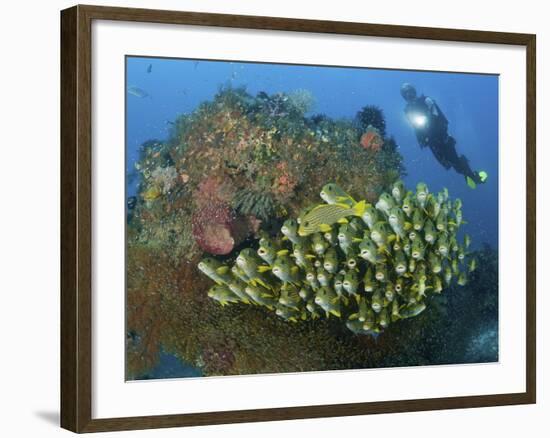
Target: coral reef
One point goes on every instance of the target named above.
(372, 139)
(217, 229)
(259, 154)
(376, 267)
(371, 115)
(258, 204)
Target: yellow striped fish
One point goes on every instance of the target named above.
(323, 216)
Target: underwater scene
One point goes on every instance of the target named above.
(297, 218)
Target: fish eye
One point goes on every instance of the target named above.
(261, 251)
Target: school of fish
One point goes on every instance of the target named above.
(367, 264)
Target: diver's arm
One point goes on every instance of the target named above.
(421, 138)
(432, 106)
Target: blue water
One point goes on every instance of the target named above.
(170, 366)
(469, 101)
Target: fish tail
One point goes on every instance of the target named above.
(359, 208)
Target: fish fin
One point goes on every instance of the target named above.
(335, 300)
(342, 221)
(392, 237)
(325, 228)
(344, 199)
(258, 280)
(284, 238)
(294, 269)
(407, 226)
(353, 316)
(264, 268)
(356, 239)
(359, 208)
(282, 252)
(336, 313)
(310, 256)
(222, 270)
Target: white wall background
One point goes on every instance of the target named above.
(29, 215)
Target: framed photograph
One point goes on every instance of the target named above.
(268, 219)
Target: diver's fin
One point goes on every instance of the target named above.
(471, 183)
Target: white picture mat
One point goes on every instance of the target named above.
(113, 397)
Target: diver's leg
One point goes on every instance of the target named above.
(460, 163)
(440, 156)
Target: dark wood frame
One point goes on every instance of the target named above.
(76, 222)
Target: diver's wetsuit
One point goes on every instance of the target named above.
(433, 133)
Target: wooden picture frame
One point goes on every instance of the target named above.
(76, 217)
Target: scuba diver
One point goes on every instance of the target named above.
(430, 126)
